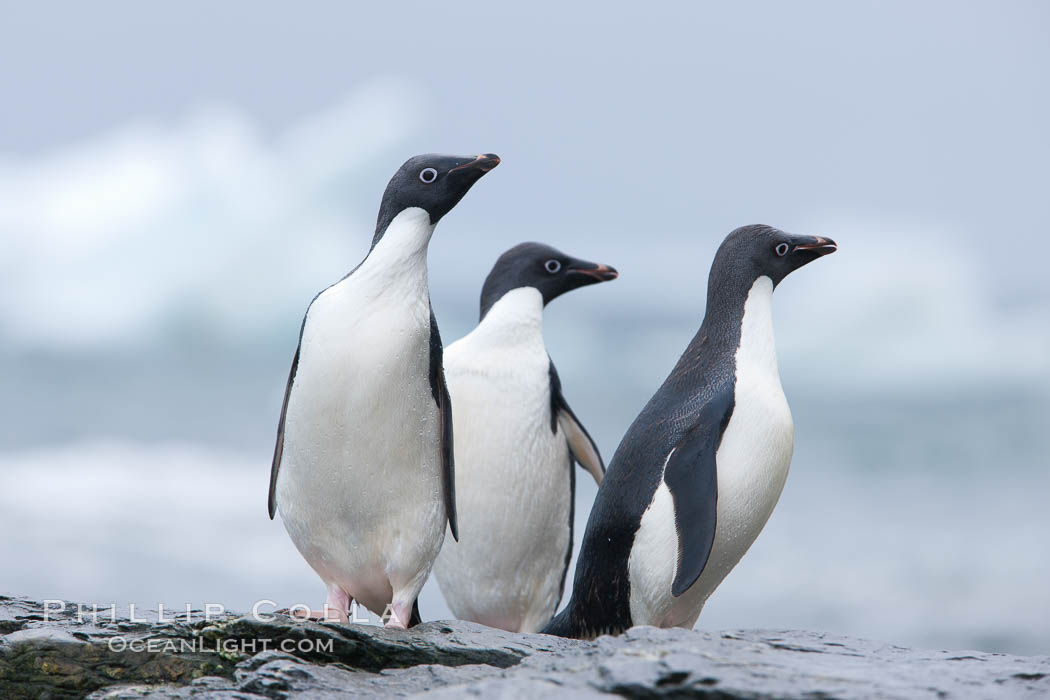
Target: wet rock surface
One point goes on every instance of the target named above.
(232, 656)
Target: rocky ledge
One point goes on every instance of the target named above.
(63, 655)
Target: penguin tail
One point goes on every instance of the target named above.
(561, 625)
(415, 619)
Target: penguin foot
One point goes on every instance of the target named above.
(399, 616)
(338, 603)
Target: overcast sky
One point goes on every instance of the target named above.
(698, 115)
(199, 160)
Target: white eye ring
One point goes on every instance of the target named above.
(552, 266)
(428, 175)
(782, 249)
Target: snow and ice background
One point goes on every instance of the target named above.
(177, 182)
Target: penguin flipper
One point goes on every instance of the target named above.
(581, 444)
(439, 389)
(692, 478)
(278, 449)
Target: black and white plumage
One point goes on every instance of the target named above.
(363, 470)
(516, 440)
(702, 467)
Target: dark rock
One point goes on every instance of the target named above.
(242, 657)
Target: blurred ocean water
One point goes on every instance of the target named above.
(889, 527)
(151, 292)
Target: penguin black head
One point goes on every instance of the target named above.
(432, 182)
(755, 251)
(547, 269)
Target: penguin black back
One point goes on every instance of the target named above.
(696, 397)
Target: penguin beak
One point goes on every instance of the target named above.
(598, 272)
(480, 165)
(815, 246)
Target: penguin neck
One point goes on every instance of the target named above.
(516, 318)
(737, 329)
(399, 252)
(743, 316)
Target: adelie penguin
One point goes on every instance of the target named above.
(701, 468)
(363, 467)
(516, 441)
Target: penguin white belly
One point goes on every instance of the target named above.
(752, 464)
(359, 489)
(513, 493)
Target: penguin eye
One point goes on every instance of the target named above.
(782, 249)
(428, 175)
(552, 266)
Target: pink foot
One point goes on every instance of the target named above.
(337, 607)
(397, 616)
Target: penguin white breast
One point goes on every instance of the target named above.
(755, 453)
(512, 472)
(752, 464)
(359, 488)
